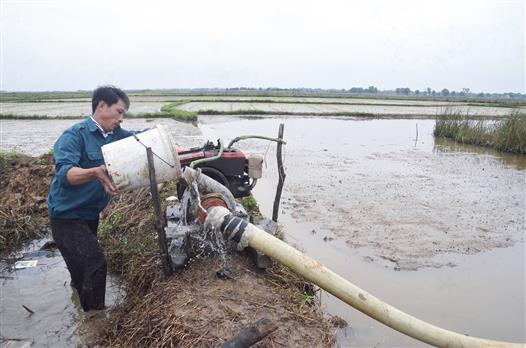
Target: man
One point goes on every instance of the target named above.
(81, 189)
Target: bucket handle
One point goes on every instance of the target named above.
(156, 155)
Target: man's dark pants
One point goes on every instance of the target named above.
(77, 242)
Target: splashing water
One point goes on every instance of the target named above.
(210, 241)
(193, 239)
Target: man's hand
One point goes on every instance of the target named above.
(79, 176)
(103, 177)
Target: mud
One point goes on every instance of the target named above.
(369, 184)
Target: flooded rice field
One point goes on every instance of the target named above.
(39, 140)
(57, 319)
(434, 228)
(297, 99)
(68, 108)
(80, 107)
(401, 110)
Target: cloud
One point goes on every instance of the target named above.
(70, 45)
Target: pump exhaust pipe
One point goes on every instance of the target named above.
(246, 234)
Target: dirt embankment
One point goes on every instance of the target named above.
(23, 191)
(194, 307)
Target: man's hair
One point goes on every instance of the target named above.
(110, 95)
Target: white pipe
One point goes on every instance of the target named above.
(340, 287)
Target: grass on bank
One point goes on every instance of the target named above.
(7, 156)
(507, 134)
(169, 110)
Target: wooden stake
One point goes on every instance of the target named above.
(281, 175)
(252, 334)
(161, 235)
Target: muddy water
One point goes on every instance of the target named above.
(58, 319)
(434, 228)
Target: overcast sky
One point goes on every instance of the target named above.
(72, 45)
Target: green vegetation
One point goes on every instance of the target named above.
(307, 299)
(508, 134)
(4, 116)
(28, 97)
(495, 105)
(7, 155)
(169, 110)
(251, 205)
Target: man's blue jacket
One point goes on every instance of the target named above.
(79, 146)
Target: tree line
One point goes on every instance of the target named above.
(402, 91)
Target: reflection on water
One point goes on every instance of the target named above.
(444, 145)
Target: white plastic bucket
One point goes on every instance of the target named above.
(127, 162)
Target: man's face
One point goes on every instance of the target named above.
(110, 117)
